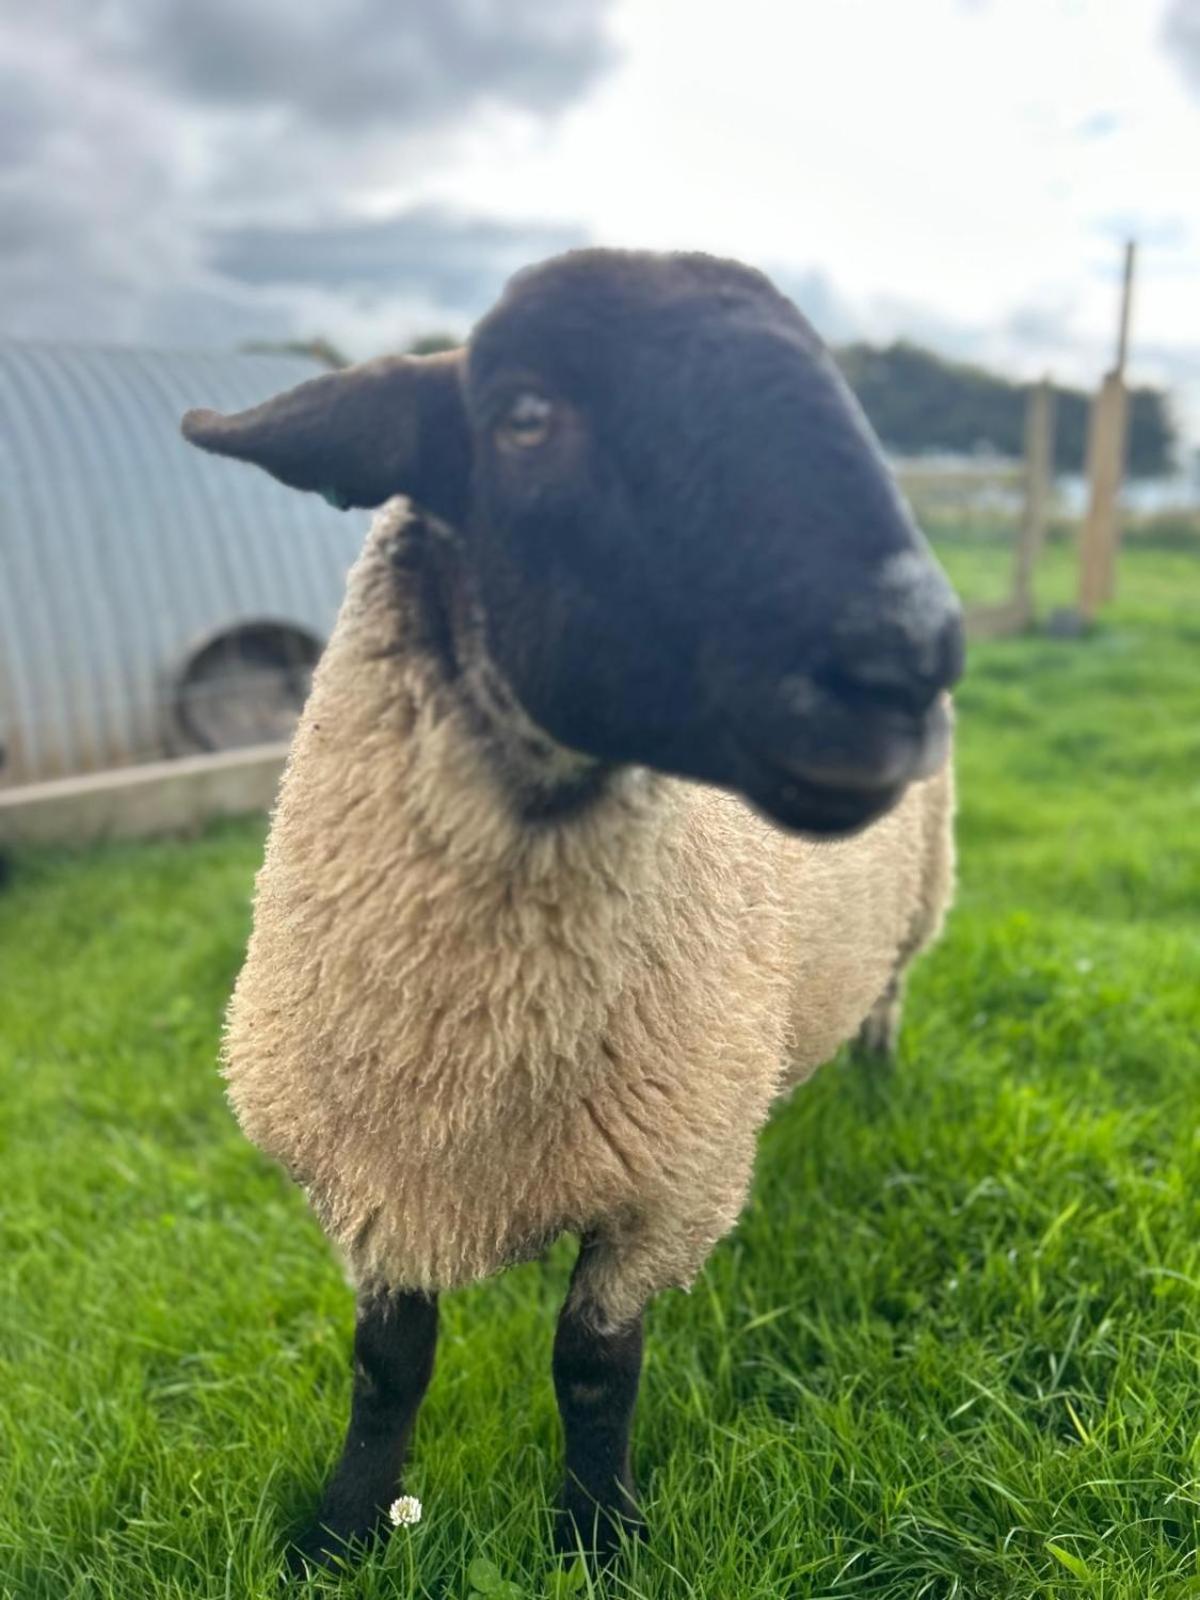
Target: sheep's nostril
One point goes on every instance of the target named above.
(879, 686)
(894, 671)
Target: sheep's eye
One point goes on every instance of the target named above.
(527, 421)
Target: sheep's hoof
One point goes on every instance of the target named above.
(598, 1532)
(322, 1547)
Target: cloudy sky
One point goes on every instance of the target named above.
(958, 171)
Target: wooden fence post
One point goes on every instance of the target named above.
(1039, 476)
(1106, 464)
(1099, 536)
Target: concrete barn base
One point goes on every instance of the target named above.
(160, 797)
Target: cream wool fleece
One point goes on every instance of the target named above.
(464, 1032)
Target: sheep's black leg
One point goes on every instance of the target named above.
(875, 1046)
(596, 1381)
(394, 1341)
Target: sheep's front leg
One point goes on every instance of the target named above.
(597, 1368)
(394, 1341)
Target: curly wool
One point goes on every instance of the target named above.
(465, 1032)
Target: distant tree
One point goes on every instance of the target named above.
(916, 401)
(329, 355)
(432, 344)
(318, 349)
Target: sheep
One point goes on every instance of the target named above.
(622, 799)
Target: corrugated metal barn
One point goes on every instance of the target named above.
(153, 601)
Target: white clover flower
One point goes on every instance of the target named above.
(405, 1512)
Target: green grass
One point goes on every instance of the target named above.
(953, 1349)
(978, 553)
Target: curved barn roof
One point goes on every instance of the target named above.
(121, 548)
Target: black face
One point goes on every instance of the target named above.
(691, 552)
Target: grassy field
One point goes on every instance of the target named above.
(953, 1349)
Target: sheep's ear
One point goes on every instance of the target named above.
(392, 426)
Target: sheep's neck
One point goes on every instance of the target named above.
(543, 781)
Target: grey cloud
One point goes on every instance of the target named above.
(165, 164)
(1181, 36)
(450, 258)
(349, 63)
(86, 193)
(26, 120)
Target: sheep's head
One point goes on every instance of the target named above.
(690, 551)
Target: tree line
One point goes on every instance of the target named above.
(917, 402)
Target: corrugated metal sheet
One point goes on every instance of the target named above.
(122, 548)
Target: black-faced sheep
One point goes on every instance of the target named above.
(620, 802)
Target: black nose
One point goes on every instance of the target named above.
(895, 663)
